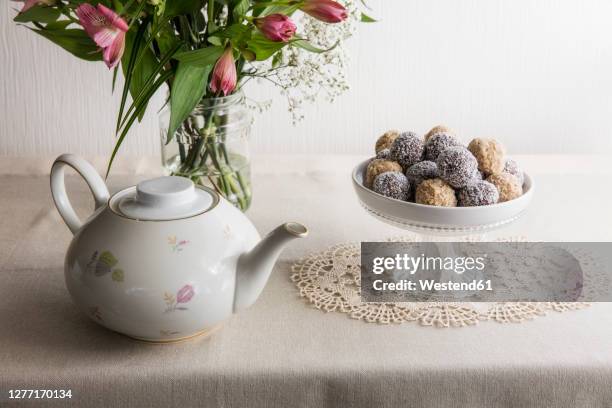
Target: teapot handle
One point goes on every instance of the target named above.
(58, 187)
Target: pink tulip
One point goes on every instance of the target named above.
(328, 11)
(276, 27)
(224, 75)
(106, 28)
(28, 4)
(185, 294)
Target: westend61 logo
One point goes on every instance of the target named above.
(486, 271)
(411, 264)
(436, 273)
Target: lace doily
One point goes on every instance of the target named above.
(330, 281)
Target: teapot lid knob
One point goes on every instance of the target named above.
(164, 191)
(163, 198)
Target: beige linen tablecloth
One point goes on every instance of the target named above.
(281, 352)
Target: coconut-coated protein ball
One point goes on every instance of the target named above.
(384, 154)
(508, 185)
(513, 168)
(438, 129)
(478, 176)
(457, 166)
(490, 155)
(437, 143)
(386, 140)
(421, 171)
(407, 149)
(392, 184)
(378, 166)
(436, 192)
(477, 193)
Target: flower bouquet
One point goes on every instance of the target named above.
(204, 51)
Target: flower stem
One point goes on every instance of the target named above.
(207, 160)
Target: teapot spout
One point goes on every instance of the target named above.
(254, 267)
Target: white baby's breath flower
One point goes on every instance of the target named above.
(304, 76)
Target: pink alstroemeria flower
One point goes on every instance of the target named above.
(276, 27)
(327, 11)
(28, 4)
(106, 28)
(185, 294)
(224, 75)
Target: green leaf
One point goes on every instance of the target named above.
(277, 59)
(215, 41)
(248, 55)
(74, 41)
(238, 34)
(128, 61)
(143, 67)
(115, 77)
(39, 14)
(142, 71)
(211, 12)
(136, 14)
(263, 48)
(188, 88)
(58, 25)
(140, 98)
(235, 32)
(123, 8)
(240, 9)
(106, 3)
(200, 58)
(367, 19)
(309, 47)
(160, 81)
(165, 37)
(179, 7)
(266, 9)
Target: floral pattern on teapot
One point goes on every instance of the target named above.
(104, 264)
(175, 244)
(183, 296)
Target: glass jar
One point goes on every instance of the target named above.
(211, 147)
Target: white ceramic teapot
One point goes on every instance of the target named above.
(164, 260)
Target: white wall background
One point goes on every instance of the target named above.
(537, 74)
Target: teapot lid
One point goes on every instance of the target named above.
(163, 199)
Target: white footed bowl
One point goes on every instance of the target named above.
(443, 219)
